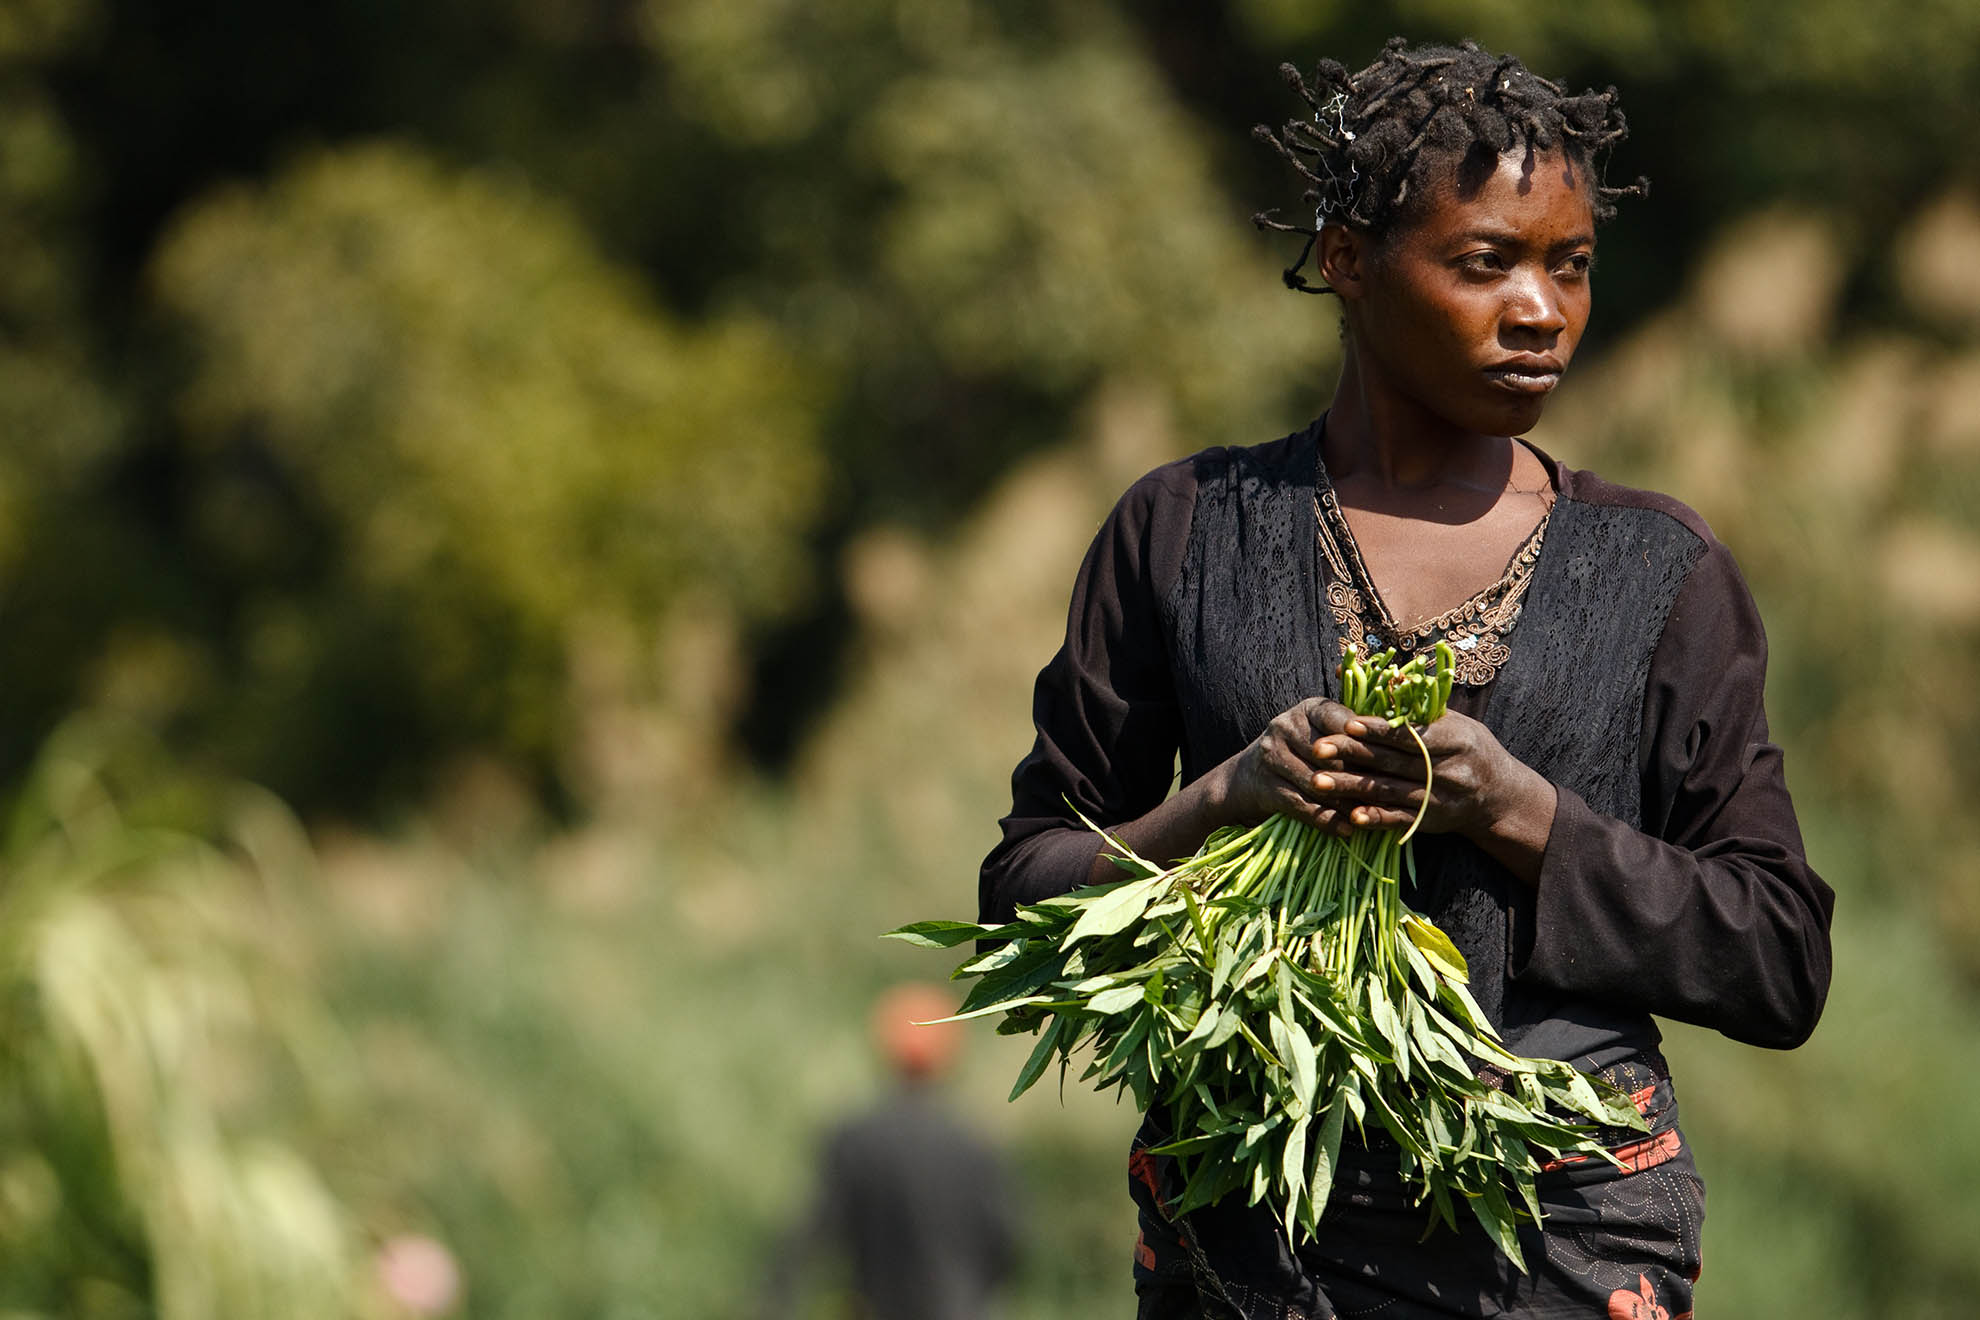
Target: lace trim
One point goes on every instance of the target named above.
(1477, 628)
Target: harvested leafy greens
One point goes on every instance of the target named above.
(1273, 989)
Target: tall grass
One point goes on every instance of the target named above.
(155, 1051)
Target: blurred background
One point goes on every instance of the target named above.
(526, 529)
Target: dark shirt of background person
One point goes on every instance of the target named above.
(916, 1205)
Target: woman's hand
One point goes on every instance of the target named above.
(1280, 771)
(1321, 763)
(1372, 773)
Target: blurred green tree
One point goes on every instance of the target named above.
(484, 440)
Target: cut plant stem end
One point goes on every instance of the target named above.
(1268, 993)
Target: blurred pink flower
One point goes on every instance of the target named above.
(419, 1273)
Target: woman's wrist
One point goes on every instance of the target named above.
(1173, 830)
(1516, 832)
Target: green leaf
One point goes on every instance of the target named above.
(1050, 913)
(1497, 1217)
(938, 934)
(1251, 1038)
(1227, 1027)
(1529, 1197)
(1441, 1199)
(1108, 1002)
(1424, 1029)
(1116, 909)
(1190, 1145)
(1226, 963)
(1293, 1164)
(1392, 1123)
(1317, 994)
(1281, 1036)
(1022, 980)
(1212, 1181)
(1305, 1064)
(1257, 968)
(1135, 867)
(1389, 1025)
(1419, 966)
(1125, 1049)
(1206, 1025)
(1002, 1006)
(1258, 1131)
(1436, 1124)
(1002, 956)
(1458, 999)
(1490, 1100)
(1196, 921)
(1351, 1092)
(1608, 1105)
(1041, 1054)
(1327, 1152)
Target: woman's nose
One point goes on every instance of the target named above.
(1535, 305)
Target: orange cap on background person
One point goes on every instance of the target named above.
(907, 1034)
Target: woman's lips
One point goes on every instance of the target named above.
(1522, 379)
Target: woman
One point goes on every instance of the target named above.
(1609, 835)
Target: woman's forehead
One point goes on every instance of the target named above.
(1515, 190)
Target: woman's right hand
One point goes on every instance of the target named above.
(1280, 771)
(1277, 771)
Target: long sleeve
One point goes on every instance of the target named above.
(1710, 913)
(1104, 707)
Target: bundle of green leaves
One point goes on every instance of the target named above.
(1273, 989)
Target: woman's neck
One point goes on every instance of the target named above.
(1377, 436)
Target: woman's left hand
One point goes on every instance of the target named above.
(1478, 789)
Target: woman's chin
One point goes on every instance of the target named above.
(1513, 415)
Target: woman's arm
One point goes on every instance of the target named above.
(1107, 724)
(1710, 913)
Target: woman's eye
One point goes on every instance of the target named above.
(1578, 264)
(1481, 262)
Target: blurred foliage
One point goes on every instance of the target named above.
(475, 441)
(155, 1047)
(639, 449)
(55, 418)
(525, 263)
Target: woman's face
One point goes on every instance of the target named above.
(1472, 310)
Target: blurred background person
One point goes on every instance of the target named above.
(913, 1202)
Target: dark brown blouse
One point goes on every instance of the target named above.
(1701, 908)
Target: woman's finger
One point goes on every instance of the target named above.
(1380, 818)
(1299, 727)
(1340, 752)
(1290, 762)
(1373, 790)
(1333, 717)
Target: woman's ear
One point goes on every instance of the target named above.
(1343, 254)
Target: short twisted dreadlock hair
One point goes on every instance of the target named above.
(1377, 140)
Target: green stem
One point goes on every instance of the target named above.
(1428, 776)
